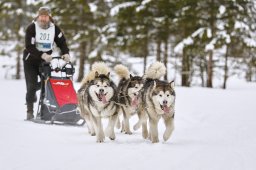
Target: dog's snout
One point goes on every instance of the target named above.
(101, 90)
(165, 102)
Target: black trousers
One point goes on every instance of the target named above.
(31, 75)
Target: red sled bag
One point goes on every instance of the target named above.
(64, 92)
(58, 100)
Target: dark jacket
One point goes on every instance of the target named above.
(31, 54)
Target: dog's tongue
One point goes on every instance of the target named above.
(135, 101)
(103, 97)
(166, 109)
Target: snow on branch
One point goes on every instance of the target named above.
(188, 41)
(210, 46)
(114, 11)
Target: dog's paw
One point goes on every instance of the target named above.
(100, 138)
(155, 140)
(145, 134)
(100, 141)
(110, 133)
(166, 137)
(149, 136)
(113, 137)
(136, 126)
(92, 133)
(167, 134)
(128, 132)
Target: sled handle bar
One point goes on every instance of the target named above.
(58, 57)
(57, 69)
(63, 69)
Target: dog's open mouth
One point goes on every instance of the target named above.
(135, 100)
(165, 108)
(101, 97)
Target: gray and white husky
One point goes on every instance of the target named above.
(129, 97)
(97, 99)
(158, 101)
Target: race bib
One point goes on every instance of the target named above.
(44, 37)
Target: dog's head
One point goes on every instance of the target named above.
(100, 89)
(163, 96)
(134, 88)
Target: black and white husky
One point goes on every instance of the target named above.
(97, 99)
(158, 101)
(129, 97)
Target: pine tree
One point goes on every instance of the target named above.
(16, 15)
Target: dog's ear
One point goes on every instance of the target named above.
(96, 74)
(172, 84)
(131, 76)
(108, 75)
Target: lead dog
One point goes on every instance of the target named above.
(97, 99)
(158, 101)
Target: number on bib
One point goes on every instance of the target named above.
(44, 36)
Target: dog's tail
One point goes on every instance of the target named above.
(99, 67)
(155, 71)
(122, 71)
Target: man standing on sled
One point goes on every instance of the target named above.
(40, 36)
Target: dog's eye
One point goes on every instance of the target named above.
(136, 87)
(106, 86)
(160, 95)
(168, 95)
(98, 85)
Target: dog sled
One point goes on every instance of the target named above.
(58, 100)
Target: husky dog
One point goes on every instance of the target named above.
(129, 97)
(97, 99)
(158, 101)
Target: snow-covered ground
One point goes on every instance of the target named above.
(215, 130)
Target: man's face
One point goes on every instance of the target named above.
(44, 21)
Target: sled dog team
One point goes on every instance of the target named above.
(147, 96)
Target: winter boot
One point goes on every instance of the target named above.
(30, 111)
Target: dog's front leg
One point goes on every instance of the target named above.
(153, 130)
(88, 119)
(99, 129)
(93, 133)
(110, 128)
(118, 124)
(144, 128)
(169, 124)
(126, 123)
(142, 121)
(138, 124)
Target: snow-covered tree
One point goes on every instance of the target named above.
(15, 16)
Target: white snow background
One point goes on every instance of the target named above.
(214, 130)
